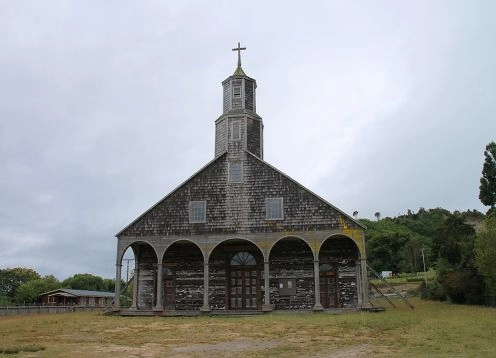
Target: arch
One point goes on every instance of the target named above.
(342, 238)
(185, 240)
(133, 247)
(144, 276)
(289, 237)
(181, 275)
(339, 272)
(235, 287)
(291, 274)
(236, 239)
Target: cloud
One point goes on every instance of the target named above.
(106, 107)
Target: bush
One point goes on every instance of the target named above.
(464, 287)
(433, 291)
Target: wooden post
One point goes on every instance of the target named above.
(316, 274)
(206, 305)
(158, 305)
(365, 284)
(267, 307)
(358, 284)
(135, 285)
(117, 286)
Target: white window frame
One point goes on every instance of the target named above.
(238, 132)
(269, 210)
(229, 172)
(195, 217)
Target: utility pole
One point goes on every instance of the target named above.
(127, 269)
(425, 272)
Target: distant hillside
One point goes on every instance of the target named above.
(395, 244)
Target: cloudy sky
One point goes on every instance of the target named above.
(106, 106)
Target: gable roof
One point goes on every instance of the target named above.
(172, 192)
(79, 293)
(262, 164)
(306, 189)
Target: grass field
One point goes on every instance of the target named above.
(433, 329)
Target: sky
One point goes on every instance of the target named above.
(107, 106)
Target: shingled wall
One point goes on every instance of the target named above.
(240, 207)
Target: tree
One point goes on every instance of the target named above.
(454, 243)
(456, 269)
(30, 291)
(12, 278)
(485, 254)
(487, 194)
(377, 215)
(355, 214)
(409, 253)
(85, 281)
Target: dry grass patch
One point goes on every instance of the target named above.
(433, 329)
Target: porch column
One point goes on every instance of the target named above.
(358, 283)
(206, 305)
(267, 307)
(365, 283)
(158, 305)
(135, 285)
(316, 274)
(117, 286)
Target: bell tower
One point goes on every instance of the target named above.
(239, 128)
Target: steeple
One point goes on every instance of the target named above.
(239, 127)
(239, 70)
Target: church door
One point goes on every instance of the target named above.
(244, 282)
(329, 294)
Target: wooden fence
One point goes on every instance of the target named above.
(23, 310)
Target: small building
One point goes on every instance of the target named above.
(241, 235)
(69, 297)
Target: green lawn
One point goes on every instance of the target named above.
(432, 329)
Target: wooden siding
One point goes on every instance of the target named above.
(239, 207)
(249, 95)
(254, 136)
(292, 259)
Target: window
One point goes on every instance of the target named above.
(236, 130)
(274, 209)
(235, 172)
(197, 211)
(243, 258)
(287, 286)
(237, 92)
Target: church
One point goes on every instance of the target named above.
(240, 235)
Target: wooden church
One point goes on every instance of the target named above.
(240, 234)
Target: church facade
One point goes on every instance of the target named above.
(241, 235)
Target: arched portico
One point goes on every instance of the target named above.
(180, 277)
(145, 263)
(234, 269)
(339, 272)
(291, 267)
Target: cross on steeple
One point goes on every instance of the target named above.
(239, 49)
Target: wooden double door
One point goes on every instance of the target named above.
(244, 289)
(329, 287)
